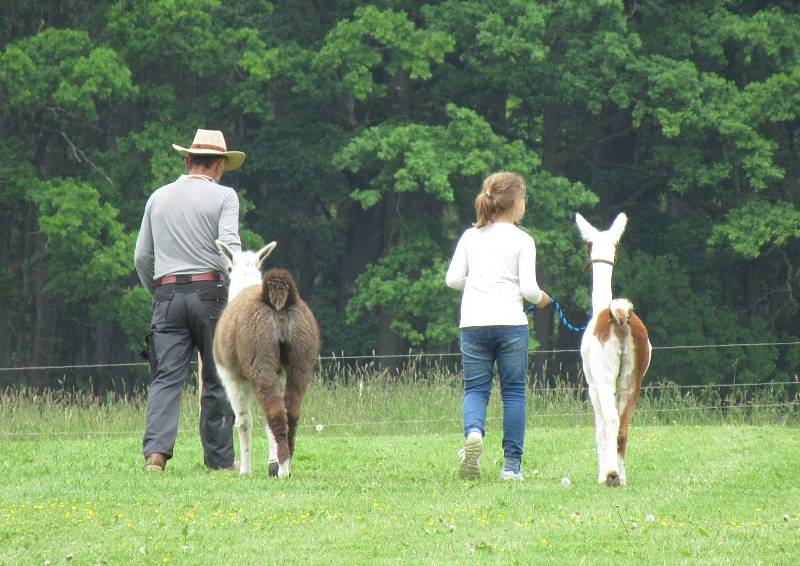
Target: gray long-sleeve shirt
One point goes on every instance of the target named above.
(181, 221)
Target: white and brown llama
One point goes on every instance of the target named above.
(616, 353)
(265, 327)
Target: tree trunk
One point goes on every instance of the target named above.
(44, 335)
(543, 318)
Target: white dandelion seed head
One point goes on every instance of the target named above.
(634, 526)
(786, 517)
(566, 482)
(319, 427)
(535, 472)
(651, 518)
(142, 550)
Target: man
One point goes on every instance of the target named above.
(178, 264)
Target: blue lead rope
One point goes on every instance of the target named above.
(561, 316)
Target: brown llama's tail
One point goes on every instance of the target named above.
(278, 289)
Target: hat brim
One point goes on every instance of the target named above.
(233, 159)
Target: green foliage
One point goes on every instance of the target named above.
(386, 38)
(369, 127)
(408, 283)
(757, 224)
(133, 312)
(57, 76)
(88, 250)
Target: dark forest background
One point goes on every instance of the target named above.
(369, 127)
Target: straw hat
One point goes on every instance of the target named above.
(212, 142)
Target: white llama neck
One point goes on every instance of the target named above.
(241, 280)
(601, 286)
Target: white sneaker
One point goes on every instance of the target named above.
(470, 455)
(508, 475)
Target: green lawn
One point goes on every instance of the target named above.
(697, 493)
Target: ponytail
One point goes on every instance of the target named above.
(485, 209)
(499, 193)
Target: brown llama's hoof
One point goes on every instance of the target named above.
(272, 469)
(613, 480)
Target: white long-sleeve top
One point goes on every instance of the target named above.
(496, 268)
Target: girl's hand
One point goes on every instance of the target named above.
(545, 300)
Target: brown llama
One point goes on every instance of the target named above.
(263, 329)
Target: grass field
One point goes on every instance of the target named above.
(705, 486)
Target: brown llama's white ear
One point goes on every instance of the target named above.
(224, 250)
(264, 252)
(587, 230)
(618, 227)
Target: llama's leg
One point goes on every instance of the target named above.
(628, 395)
(609, 467)
(272, 464)
(599, 431)
(593, 369)
(605, 362)
(271, 401)
(298, 376)
(239, 393)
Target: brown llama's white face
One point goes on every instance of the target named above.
(244, 268)
(602, 245)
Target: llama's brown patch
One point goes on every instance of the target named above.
(602, 326)
(640, 347)
(642, 356)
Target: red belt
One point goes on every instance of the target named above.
(210, 276)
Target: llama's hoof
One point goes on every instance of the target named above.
(612, 480)
(284, 471)
(272, 469)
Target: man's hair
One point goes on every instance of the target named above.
(204, 161)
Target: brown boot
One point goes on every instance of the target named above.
(155, 462)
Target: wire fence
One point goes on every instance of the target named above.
(562, 396)
(409, 355)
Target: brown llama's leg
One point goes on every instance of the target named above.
(297, 380)
(272, 405)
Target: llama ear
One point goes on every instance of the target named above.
(224, 250)
(264, 252)
(618, 227)
(587, 230)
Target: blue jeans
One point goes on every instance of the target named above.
(481, 347)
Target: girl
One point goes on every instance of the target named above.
(495, 265)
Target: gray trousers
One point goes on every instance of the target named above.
(184, 318)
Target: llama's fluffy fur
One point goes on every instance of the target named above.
(264, 329)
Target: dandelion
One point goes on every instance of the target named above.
(786, 518)
(319, 427)
(142, 550)
(651, 518)
(634, 526)
(535, 472)
(566, 482)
